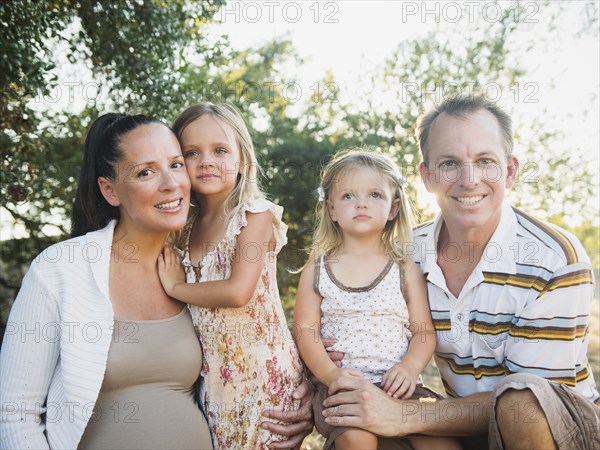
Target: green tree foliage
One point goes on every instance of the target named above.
(157, 57)
(135, 48)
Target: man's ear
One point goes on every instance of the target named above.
(425, 176)
(512, 171)
(394, 210)
(107, 188)
(331, 210)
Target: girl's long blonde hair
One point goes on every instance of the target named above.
(328, 236)
(246, 186)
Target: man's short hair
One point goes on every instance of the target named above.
(461, 107)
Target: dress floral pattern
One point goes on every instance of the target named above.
(250, 359)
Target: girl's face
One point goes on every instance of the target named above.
(151, 187)
(212, 157)
(362, 202)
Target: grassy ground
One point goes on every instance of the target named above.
(432, 379)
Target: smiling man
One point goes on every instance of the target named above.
(510, 298)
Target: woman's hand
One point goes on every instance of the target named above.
(296, 424)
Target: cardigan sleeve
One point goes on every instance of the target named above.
(28, 360)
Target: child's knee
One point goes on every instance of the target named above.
(356, 439)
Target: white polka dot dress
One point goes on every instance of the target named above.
(370, 323)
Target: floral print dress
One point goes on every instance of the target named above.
(250, 360)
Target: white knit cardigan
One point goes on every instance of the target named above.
(56, 343)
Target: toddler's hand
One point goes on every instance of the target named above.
(400, 381)
(170, 271)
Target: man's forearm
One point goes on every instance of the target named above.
(467, 416)
(356, 402)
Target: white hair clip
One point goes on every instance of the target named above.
(402, 180)
(321, 193)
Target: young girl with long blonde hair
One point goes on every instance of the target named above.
(360, 287)
(229, 257)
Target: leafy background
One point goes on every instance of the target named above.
(157, 57)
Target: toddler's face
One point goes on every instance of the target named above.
(362, 202)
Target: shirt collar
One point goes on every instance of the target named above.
(428, 251)
(497, 256)
(500, 251)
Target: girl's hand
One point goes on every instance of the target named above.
(400, 381)
(170, 271)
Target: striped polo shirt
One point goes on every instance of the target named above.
(525, 307)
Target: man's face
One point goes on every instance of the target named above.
(467, 171)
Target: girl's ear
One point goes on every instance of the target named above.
(107, 188)
(331, 210)
(394, 209)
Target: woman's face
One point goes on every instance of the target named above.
(151, 187)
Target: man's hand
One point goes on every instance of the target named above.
(336, 357)
(297, 424)
(358, 403)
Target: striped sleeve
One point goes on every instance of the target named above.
(548, 337)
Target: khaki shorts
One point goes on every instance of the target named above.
(574, 420)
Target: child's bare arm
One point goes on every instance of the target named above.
(400, 380)
(307, 327)
(253, 242)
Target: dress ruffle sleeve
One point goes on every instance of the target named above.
(239, 220)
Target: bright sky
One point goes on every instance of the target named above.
(352, 38)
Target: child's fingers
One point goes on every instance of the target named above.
(403, 386)
(175, 256)
(411, 390)
(388, 379)
(394, 385)
(384, 381)
(161, 260)
(171, 258)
